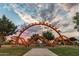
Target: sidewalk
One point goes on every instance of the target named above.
(39, 52)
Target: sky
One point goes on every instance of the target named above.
(5, 9)
(55, 13)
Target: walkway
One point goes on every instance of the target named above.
(40, 52)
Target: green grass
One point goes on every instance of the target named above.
(15, 51)
(65, 51)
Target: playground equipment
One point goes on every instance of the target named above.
(61, 38)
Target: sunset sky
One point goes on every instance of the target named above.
(58, 14)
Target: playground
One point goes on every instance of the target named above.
(36, 39)
(39, 29)
(36, 45)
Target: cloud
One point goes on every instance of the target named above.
(24, 16)
(58, 14)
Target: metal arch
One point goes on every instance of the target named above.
(41, 23)
(44, 24)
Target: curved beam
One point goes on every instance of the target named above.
(44, 24)
(40, 23)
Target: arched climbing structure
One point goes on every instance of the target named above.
(40, 23)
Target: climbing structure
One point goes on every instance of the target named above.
(61, 38)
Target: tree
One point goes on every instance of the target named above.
(76, 20)
(6, 28)
(73, 39)
(48, 35)
(35, 37)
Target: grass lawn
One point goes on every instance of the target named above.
(66, 51)
(15, 51)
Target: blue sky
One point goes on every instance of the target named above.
(58, 14)
(36, 11)
(9, 12)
